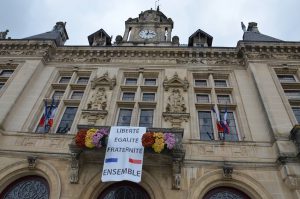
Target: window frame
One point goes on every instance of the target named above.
(154, 99)
(140, 112)
(61, 77)
(229, 98)
(5, 76)
(202, 94)
(74, 91)
(224, 80)
(201, 86)
(85, 83)
(123, 108)
(56, 90)
(287, 81)
(212, 125)
(145, 80)
(61, 117)
(128, 99)
(130, 84)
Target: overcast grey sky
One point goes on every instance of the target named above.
(219, 18)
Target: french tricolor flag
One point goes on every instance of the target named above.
(135, 161)
(111, 160)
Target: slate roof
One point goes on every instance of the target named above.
(256, 36)
(201, 32)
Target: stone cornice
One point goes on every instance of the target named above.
(269, 50)
(182, 55)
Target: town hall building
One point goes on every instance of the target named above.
(232, 111)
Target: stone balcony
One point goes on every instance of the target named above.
(171, 158)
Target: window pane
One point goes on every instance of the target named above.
(1, 85)
(233, 134)
(202, 98)
(200, 82)
(57, 95)
(124, 118)
(77, 95)
(223, 99)
(67, 120)
(286, 78)
(131, 81)
(146, 117)
(83, 80)
(220, 83)
(6, 73)
(64, 79)
(148, 97)
(296, 111)
(128, 96)
(205, 125)
(294, 94)
(151, 82)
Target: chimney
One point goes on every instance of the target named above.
(252, 27)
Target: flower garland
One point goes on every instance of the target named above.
(158, 141)
(91, 138)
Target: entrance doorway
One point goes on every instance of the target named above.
(225, 193)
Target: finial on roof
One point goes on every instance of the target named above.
(243, 26)
(252, 27)
(3, 34)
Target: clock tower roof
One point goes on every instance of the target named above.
(150, 16)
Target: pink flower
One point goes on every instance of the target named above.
(169, 140)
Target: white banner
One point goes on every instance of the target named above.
(124, 154)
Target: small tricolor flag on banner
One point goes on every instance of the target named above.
(111, 160)
(135, 161)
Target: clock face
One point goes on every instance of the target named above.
(147, 34)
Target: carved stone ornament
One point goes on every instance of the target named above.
(227, 171)
(104, 81)
(176, 109)
(31, 161)
(98, 100)
(176, 82)
(293, 182)
(3, 34)
(74, 164)
(177, 156)
(96, 107)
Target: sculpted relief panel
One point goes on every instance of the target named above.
(97, 103)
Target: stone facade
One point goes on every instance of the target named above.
(260, 157)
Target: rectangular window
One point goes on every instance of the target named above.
(124, 118)
(148, 97)
(57, 95)
(220, 83)
(205, 125)
(6, 73)
(292, 94)
(77, 95)
(64, 79)
(202, 98)
(286, 78)
(67, 120)
(150, 82)
(146, 117)
(128, 96)
(296, 111)
(201, 82)
(131, 81)
(223, 99)
(1, 85)
(233, 134)
(82, 80)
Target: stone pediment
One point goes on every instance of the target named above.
(104, 81)
(176, 82)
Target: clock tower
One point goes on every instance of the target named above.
(151, 28)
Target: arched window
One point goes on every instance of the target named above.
(124, 190)
(27, 187)
(225, 193)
